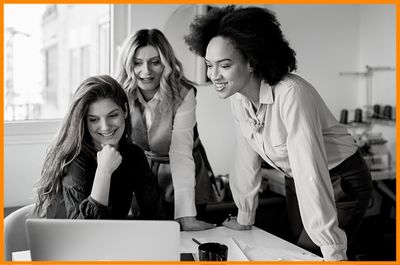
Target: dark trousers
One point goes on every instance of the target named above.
(352, 187)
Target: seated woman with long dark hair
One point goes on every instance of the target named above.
(92, 170)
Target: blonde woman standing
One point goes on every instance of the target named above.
(163, 108)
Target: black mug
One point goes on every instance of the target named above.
(213, 251)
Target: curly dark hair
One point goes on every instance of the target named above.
(254, 31)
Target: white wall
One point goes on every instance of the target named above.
(135, 17)
(378, 49)
(24, 152)
(325, 38)
(328, 39)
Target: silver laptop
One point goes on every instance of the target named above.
(103, 240)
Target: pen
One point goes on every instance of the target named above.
(196, 241)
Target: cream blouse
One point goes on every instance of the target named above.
(294, 131)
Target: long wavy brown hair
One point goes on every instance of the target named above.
(73, 136)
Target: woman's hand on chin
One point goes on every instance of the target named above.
(108, 159)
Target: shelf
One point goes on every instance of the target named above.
(358, 124)
(368, 75)
(369, 70)
(383, 122)
(383, 174)
(370, 122)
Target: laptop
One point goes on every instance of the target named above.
(103, 240)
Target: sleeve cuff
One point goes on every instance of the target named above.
(98, 204)
(184, 203)
(334, 252)
(246, 218)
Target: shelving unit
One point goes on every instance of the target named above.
(370, 115)
(366, 131)
(368, 74)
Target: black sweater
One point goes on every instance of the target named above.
(132, 176)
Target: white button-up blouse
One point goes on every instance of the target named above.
(295, 132)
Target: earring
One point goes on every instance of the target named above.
(249, 67)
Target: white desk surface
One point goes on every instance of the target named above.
(254, 245)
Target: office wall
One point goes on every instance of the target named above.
(328, 39)
(378, 49)
(24, 152)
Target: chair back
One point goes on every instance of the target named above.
(15, 230)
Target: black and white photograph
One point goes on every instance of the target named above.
(199, 132)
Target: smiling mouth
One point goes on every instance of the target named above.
(108, 134)
(220, 86)
(147, 79)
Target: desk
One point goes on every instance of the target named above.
(377, 175)
(256, 245)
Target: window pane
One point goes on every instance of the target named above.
(49, 50)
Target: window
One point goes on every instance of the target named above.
(74, 78)
(49, 50)
(104, 46)
(50, 75)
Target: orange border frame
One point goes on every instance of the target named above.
(204, 2)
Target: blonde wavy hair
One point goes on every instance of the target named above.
(172, 80)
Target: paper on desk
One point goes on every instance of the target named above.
(24, 255)
(234, 251)
(264, 254)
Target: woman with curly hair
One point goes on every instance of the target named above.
(92, 169)
(163, 112)
(280, 118)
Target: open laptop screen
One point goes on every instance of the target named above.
(103, 240)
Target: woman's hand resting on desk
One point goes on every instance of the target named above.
(190, 223)
(232, 223)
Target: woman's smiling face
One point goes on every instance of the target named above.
(226, 67)
(148, 69)
(105, 122)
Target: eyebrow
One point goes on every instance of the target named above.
(111, 112)
(152, 58)
(218, 61)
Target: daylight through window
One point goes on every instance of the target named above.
(48, 51)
